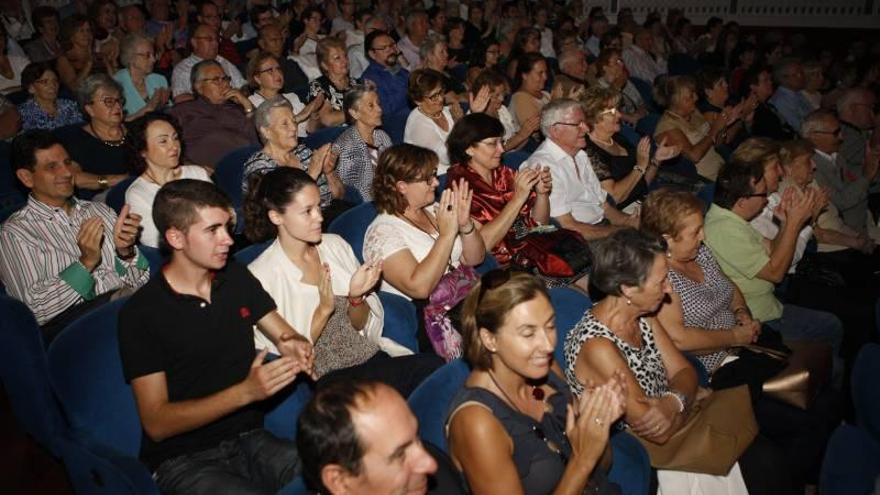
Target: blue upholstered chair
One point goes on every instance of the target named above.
(648, 124)
(323, 136)
(852, 457)
(116, 195)
(401, 320)
(86, 372)
(570, 306)
(230, 171)
(395, 125)
(352, 226)
(247, 255)
(430, 400)
(154, 258)
(646, 91)
(513, 159)
(24, 371)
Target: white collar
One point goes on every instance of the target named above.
(832, 157)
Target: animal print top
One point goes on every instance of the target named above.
(644, 362)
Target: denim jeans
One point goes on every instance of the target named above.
(799, 323)
(255, 463)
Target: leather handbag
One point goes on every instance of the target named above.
(560, 253)
(808, 370)
(719, 428)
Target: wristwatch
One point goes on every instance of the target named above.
(102, 182)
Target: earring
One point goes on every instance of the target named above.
(629, 302)
(669, 254)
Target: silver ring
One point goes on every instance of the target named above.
(598, 421)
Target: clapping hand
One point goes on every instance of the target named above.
(364, 279)
(665, 152)
(526, 180)
(125, 231)
(480, 101)
(463, 196)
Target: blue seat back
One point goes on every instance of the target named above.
(851, 464)
(230, 171)
(570, 306)
(401, 320)
(395, 125)
(247, 255)
(323, 136)
(116, 195)
(513, 159)
(352, 226)
(646, 91)
(86, 371)
(154, 258)
(866, 400)
(430, 400)
(631, 468)
(24, 372)
(648, 124)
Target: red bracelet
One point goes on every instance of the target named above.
(353, 301)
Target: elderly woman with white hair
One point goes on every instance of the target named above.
(276, 125)
(435, 55)
(143, 90)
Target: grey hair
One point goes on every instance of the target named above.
(263, 112)
(814, 121)
(569, 56)
(782, 69)
(129, 45)
(554, 111)
(352, 98)
(412, 16)
(431, 42)
(87, 89)
(846, 99)
(197, 69)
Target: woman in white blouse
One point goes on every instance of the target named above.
(418, 239)
(320, 288)
(155, 143)
(430, 122)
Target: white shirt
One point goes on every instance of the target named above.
(302, 129)
(307, 58)
(18, 64)
(388, 234)
(576, 189)
(357, 61)
(765, 225)
(297, 301)
(180, 84)
(340, 24)
(422, 131)
(547, 42)
(140, 196)
(642, 65)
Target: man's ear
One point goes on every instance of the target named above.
(175, 238)
(26, 177)
(336, 479)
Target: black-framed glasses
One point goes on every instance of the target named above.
(572, 124)
(758, 195)
(217, 80)
(274, 68)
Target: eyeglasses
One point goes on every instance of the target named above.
(609, 111)
(758, 195)
(492, 280)
(428, 179)
(272, 69)
(572, 124)
(435, 96)
(110, 102)
(835, 132)
(492, 142)
(217, 80)
(382, 48)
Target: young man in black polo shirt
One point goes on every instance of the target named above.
(187, 346)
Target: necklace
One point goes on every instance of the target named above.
(112, 144)
(610, 143)
(436, 116)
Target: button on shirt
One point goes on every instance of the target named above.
(576, 189)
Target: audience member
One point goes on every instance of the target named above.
(266, 75)
(416, 31)
(306, 44)
(143, 91)
(788, 100)
(713, 103)
(459, 53)
(577, 200)
(334, 81)
(45, 46)
(420, 241)
(204, 47)
(530, 96)
(362, 142)
(428, 124)
(156, 152)
(198, 411)
(44, 109)
(10, 120)
(815, 83)
(515, 136)
(97, 147)
(766, 122)
(573, 65)
(683, 126)
(271, 40)
(275, 123)
(360, 437)
(11, 65)
(619, 337)
(859, 135)
(385, 72)
(435, 55)
(321, 288)
(625, 171)
(514, 384)
(358, 59)
(208, 13)
(77, 60)
(612, 74)
(218, 120)
(60, 255)
(640, 60)
(103, 15)
(483, 58)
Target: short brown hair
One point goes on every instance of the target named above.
(756, 149)
(596, 100)
(791, 150)
(604, 59)
(664, 209)
(402, 162)
(322, 51)
(254, 65)
(424, 81)
(489, 309)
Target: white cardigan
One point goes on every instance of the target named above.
(297, 301)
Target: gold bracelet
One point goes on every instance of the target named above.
(469, 232)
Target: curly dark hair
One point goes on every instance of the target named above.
(273, 191)
(136, 138)
(402, 162)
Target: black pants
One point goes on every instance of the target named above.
(404, 373)
(766, 470)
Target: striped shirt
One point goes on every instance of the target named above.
(39, 258)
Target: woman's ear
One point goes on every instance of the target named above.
(488, 340)
(275, 217)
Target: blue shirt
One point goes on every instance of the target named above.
(133, 100)
(391, 87)
(34, 117)
(791, 105)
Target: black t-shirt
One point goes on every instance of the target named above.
(202, 347)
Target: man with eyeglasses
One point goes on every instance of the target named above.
(218, 120)
(861, 139)
(271, 40)
(208, 13)
(205, 45)
(848, 188)
(390, 78)
(577, 200)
